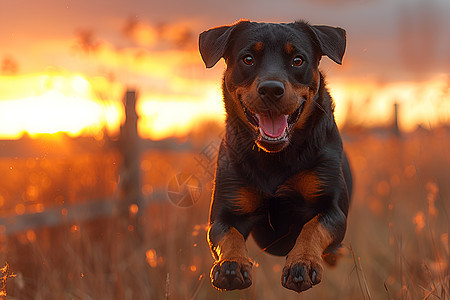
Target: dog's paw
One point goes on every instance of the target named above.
(231, 274)
(301, 273)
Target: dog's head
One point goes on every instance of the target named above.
(272, 73)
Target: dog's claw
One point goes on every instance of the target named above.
(313, 276)
(245, 274)
(216, 275)
(298, 273)
(284, 279)
(303, 270)
(296, 270)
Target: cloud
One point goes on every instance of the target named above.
(9, 66)
(140, 33)
(163, 35)
(86, 41)
(179, 35)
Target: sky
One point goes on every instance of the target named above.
(412, 35)
(397, 50)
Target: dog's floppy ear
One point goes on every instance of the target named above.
(332, 41)
(213, 43)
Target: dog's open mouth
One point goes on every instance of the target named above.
(273, 126)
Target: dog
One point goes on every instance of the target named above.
(281, 173)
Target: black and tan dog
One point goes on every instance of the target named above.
(281, 173)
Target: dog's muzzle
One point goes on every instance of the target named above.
(273, 127)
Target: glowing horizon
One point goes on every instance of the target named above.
(48, 103)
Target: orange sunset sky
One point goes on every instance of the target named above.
(64, 65)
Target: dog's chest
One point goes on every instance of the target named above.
(270, 179)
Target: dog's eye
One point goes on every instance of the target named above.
(297, 61)
(248, 60)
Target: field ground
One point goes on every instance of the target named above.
(396, 246)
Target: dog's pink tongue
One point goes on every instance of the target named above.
(272, 125)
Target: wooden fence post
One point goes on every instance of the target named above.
(130, 178)
(396, 128)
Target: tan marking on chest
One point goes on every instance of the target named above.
(247, 200)
(308, 184)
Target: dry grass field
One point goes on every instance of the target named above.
(396, 246)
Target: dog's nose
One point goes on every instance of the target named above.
(271, 88)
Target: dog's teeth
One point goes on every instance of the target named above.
(271, 138)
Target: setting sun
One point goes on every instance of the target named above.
(55, 104)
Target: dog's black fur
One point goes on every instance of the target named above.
(281, 174)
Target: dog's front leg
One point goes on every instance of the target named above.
(303, 267)
(232, 268)
(232, 206)
(325, 187)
